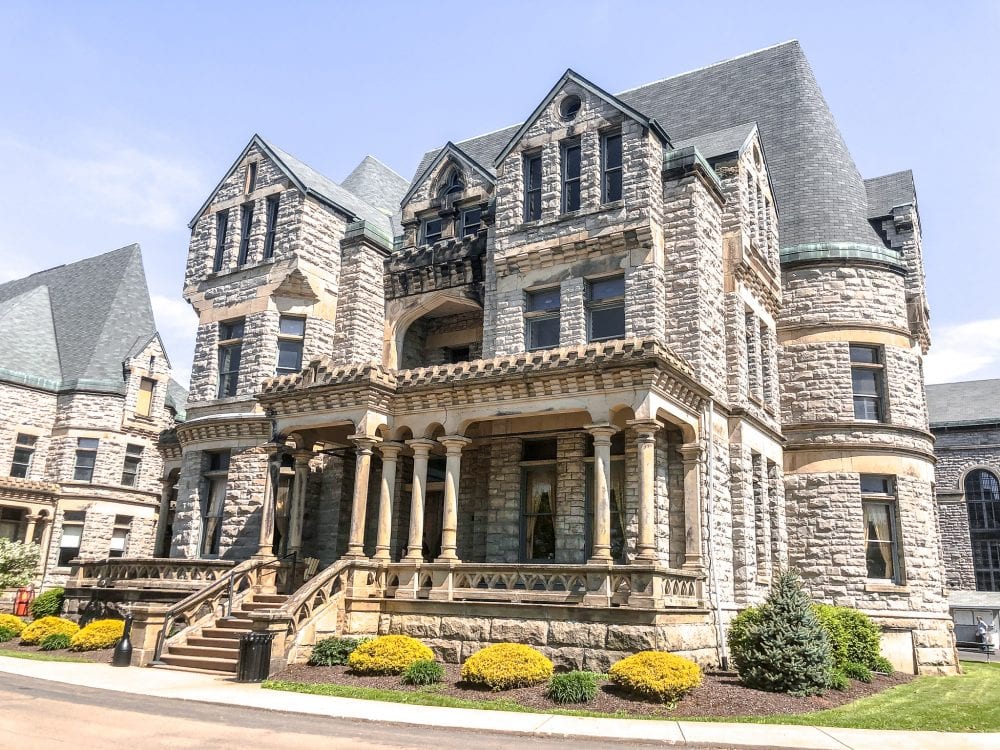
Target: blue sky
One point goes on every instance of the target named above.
(117, 119)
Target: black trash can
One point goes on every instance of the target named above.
(255, 657)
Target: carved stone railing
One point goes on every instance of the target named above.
(150, 573)
(639, 586)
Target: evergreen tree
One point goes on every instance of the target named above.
(786, 649)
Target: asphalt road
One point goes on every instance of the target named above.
(42, 714)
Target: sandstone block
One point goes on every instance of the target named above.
(583, 634)
(465, 628)
(531, 632)
(631, 638)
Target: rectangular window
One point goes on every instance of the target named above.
(24, 450)
(471, 221)
(291, 334)
(86, 459)
(144, 399)
(878, 501)
(10, 523)
(611, 161)
(571, 177)
(606, 309)
(214, 483)
(246, 225)
(868, 380)
(119, 536)
(432, 230)
(538, 508)
(230, 351)
(272, 223)
(533, 187)
(542, 319)
(251, 177)
(221, 227)
(72, 532)
(130, 470)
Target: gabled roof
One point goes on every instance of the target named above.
(888, 191)
(818, 190)
(721, 142)
(73, 326)
(572, 76)
(449, 149)
(311, 183)
(968, 403)
(376, 184)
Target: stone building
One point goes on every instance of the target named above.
(85, 391)
(585, 382)
(965, 420)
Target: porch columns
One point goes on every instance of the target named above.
(453, 444)
(265, 542)
(421, 449)
(390, 454)
(691, 456)
(646, 430)
(43, 542)
(29, 527)
(298, 504)
(161, 519)
(362, 472)
(602, 491)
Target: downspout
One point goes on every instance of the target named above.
(708, 419)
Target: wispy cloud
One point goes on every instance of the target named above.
(964, 351)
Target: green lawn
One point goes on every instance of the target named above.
(967, 703)
(42, 656)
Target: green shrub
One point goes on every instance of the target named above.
(858, 672)
(838, 680)
(503, 666)
(656, 674)
(55, 642)
(740, 628)
(97, 635)
(331, 652)
(12, 622)
(48, 604)
(784, 648)
(7, 634)
(854, 638)
(829, 617)
(573, 687)
(883, 665)
(387, 654)
(37, 630)
(423, 672)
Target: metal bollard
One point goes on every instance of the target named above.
(122, 656)
(255, 657)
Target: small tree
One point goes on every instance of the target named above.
(786, 649)
(18, 561)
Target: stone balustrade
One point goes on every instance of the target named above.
(151, 572)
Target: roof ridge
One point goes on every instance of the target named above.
(71, 263)
(888, 174)
(376, 159)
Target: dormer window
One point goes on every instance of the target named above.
(431, 230)
(471, 221)
(453, 185)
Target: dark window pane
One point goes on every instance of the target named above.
(246, 224)
(534, 172)
(471, 220)
(432, 231)
(571, 196)
(543, 333)
(865, 382)
(612, 151)
(232, 330)
(292, 326)
(272, 223)
(221, 224)
(613, 187)
(289, 356)
(572, 156)
(535, 206)
(251, 176)
(539, 450)
(602, 289)
(543, 301)
(607, 323)
(864, 354)
(875, 484)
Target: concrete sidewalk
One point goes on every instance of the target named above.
(223, 690)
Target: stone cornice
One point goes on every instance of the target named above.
(224, 427)
(12, 488)
(860, 437)
(524, 256)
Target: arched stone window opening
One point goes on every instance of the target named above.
(453, 184)
(982, 496)
(446, 335)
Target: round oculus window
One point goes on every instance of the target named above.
(569, 107)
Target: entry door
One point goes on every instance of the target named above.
(433, 515)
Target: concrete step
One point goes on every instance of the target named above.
(256, 607)
(211, 652)
(211, 642)
(272, 598)
(234, 623)
(223, 633)
(198, 662)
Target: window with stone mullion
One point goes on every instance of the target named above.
(571, 169)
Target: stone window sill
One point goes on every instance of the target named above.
(886, 588)
(212, 276)
(569, 216)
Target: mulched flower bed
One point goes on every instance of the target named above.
(101, 656)
(719, 694)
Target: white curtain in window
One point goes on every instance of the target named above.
(879, 541)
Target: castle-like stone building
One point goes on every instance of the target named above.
(85, 391)
(586, 382)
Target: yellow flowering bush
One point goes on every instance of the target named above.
(11, 622)
(387, 654)
(656, 674)
(97, 634)
(506, 665)
(37, 630)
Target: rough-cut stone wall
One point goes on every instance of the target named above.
(31, 412)
(816, 383)
(824, 294)
(361, 318)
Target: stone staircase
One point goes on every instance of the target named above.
(217, 648)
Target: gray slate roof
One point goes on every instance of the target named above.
(720, 142)
(971, 402)
(819, 193)
(74, 325)
(888, 191)
(376, 184)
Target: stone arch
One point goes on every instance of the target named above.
(450, 181)
(619, 414)
(969, 469)
(404, 353)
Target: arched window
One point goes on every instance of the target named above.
(982, 496)
(453, 184)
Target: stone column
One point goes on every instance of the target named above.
(691, 456)
(421, 449)
(161, 519)
(453, 444)
(298, 504)
(362, 472)
(265, 541)
(43, 542)
(646, 430)
(390, 454)
(602, 491)
(29, 527)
